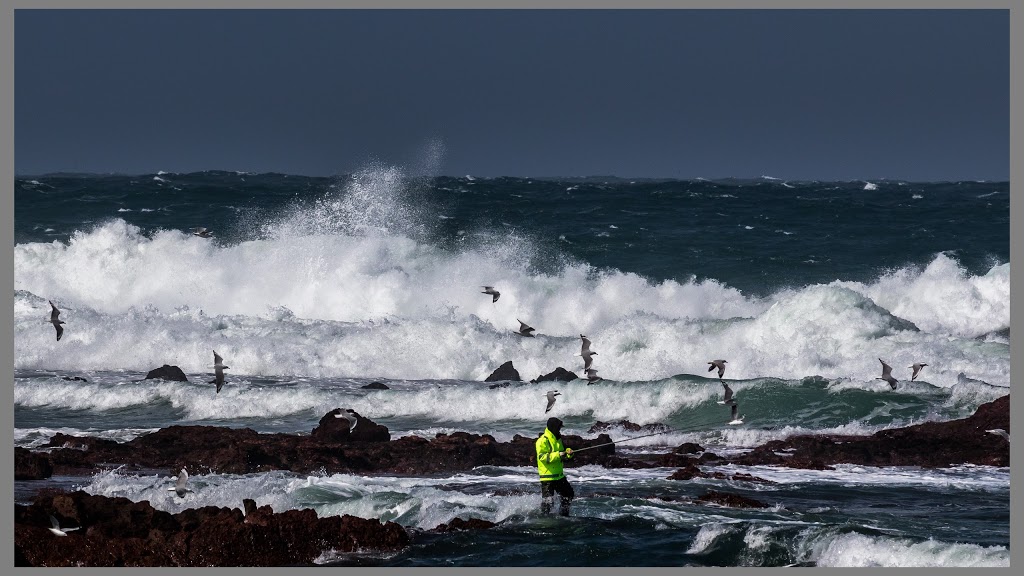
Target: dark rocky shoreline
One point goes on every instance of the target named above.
(119, 532)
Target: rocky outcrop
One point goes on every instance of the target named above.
(559, 375)
(504, 372)
(119, 532)
(929, 445)
(167, 372)
(205, 449)
(30, 465)
(730, 500)
(332, 429)
(629, 427)
(376, 386)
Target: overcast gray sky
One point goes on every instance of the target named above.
(826, 94)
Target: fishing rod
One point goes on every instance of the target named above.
(638, 437)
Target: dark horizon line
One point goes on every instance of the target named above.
(588, 178)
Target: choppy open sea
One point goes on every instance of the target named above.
(314, 287)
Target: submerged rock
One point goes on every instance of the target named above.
(376, 386)
(119, 532)
(730, 500)
(460, 524)
(167, 372)
(629, 427)
(504, 372)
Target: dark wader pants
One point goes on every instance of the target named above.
(565, 492)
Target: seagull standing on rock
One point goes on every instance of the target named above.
(54, 313)
(490, 290)
(887, 374)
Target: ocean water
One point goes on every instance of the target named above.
(313, 287)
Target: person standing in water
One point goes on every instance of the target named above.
(550, 454)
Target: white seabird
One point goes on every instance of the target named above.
(720, 364)
(57, 529)
(524, 329)
(736, 420)
(54, 314)
(490, 290)
(887, 374)
(586, 353)
(728, 394)
(917, 369)
(348, 414)
(202, 232)
(551, 399)
(1000, 432)
(179, 486)
(218, 371)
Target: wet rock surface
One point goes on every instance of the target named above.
(30, 465)
(730, 500)
(167, 372)
(119, 532)
(459, 524)
(558, 375)
(504, 372)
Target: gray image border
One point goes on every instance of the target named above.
(8, 7)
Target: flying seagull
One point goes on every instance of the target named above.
(490, 290)
(350, 415)
(586, 353)
(551, 399)
(218, 370)
(728, 395)
(592, 376)
(54, 313)
(57, 529)
(179, 486)
(720, 364)
(917, 369)
(202, 232)
(1000, 432)
(887, 374)
(524, 329)
(736, 419)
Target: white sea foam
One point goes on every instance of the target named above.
(870, 186)
(859, 550)
(368, 298)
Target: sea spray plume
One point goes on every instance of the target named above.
(490, 290)
(917, 369)
(524, 330)
(551, 399)
(887, 374)
(54, 313)
(218, 370)
(720, 364)
(56, 529)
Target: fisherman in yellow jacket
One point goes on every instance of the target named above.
(550, 453)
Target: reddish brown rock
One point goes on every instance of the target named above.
(332, 429)
(29, 465)
(119, 532)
